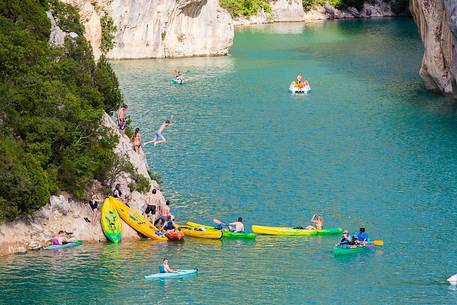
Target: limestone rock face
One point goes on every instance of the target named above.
(437, 23)
(159, 28)
(287, 10)
(282, 11)
(57, 36)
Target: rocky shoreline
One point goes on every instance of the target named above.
(67, 214)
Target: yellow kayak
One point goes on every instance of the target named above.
(111, 223)
(137, 221)
(282, 231)
(200, 232)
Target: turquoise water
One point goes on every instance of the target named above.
(368, 147)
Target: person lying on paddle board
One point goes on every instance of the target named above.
(165, 268)
(318, 222)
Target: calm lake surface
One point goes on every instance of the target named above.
(368, 147)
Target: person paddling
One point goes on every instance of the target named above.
(362, 237)
(165, 268)
(346, 240)
(58, 239)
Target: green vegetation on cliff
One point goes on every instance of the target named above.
(245, 8)
(51, 103)
(398, 6)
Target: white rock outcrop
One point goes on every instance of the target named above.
(281, 11)
(437, 24)
(287, 10)
(159, 28)
(57, 36)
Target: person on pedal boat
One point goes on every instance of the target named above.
(318, 222)
(165, 268)
(362, 237)
(237, 226)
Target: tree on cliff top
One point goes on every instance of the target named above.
(51, 103)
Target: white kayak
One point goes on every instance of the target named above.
(453, 279)
(170, 274)
(294, 89)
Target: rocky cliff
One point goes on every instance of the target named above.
(66, 214)
(159, 28)
(281, 11)
(437, 24)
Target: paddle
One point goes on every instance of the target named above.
(378, 242)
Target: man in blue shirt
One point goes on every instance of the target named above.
(362, 237)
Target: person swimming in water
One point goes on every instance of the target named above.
(158, 137)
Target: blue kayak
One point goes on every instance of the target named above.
(67, 245)
(169, 275)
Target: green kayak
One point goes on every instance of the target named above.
(346, 250)
(244, 235)
(225, 234)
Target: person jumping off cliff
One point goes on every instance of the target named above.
(158, 137)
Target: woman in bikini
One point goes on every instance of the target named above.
(137, 140)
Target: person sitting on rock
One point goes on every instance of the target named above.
(93, 203)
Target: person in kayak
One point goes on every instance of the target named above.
(58, 239)
(165, 268)
(237, 226)
(179, 77)
(362, 237)
(347, 240)
(318, 222)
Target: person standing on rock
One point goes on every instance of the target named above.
(136, 139)
(165, 214)
(117, 193)
(151, 205)
(121, 122)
